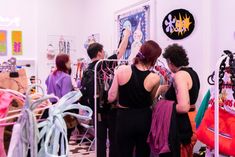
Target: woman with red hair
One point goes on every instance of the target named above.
(59, 81)
(135, 86)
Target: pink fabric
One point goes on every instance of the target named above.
(5, 100)
(159, 132)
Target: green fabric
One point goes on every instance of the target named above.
(202, 109)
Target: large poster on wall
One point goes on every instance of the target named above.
(136, 18)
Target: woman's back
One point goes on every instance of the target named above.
(135, 86)
(59, 84)
(132, 93)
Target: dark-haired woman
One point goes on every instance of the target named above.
(135, 86)
(184, 91)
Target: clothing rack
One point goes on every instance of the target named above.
(8, 66)
(216, 114)
(120, 62)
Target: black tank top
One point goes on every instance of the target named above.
(193, 92)
(133, 94)
(182, 119)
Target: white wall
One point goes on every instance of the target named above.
(197, 44)
(223, 27)
(214, 29)
(40, 18)
(101, 20)
(24, 10)
(58, 17)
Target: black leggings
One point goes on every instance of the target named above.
(133, 126)
(106, 125)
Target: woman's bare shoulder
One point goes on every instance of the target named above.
(181, 75)
(123, 68)
(154, 77)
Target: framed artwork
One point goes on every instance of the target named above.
(136, 18)
(3, 43)
(16, 37)
(59, 44)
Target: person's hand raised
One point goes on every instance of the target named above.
(127, 32)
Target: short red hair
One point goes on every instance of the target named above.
(60, 61)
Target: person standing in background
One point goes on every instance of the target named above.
(184, 91)
(106, 114)
(135, 87)
(59, 81)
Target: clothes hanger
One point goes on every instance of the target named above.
(20, 114)
(107, 71)
(34, 102)
(41, 107)
(12, 123)
(16, 93)
(7, 96)
(10, 66)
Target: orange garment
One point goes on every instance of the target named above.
(205, 132)
(187, 150)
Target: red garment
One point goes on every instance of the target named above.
(205, 131)
(5, 100)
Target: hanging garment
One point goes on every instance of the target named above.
(9, 100)
(13, 110)
(19, 83)
(25, 132)
(205, 132)
(226, 103)
(5, 100)
(53, 135)
(202, 109)
(159, 132)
